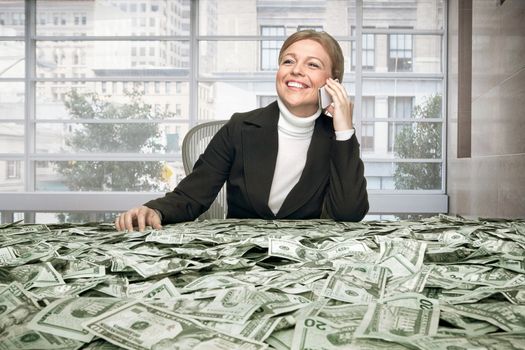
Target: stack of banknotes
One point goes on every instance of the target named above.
(437, 283)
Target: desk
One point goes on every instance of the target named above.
(437, 283)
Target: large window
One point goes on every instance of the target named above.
(97, 95)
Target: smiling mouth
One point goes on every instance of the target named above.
(295, 84)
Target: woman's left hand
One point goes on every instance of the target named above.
(342, 108)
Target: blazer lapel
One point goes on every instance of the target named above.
(316, 169)
(260, 144)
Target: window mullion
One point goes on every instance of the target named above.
(194, 63)
(358, 66)
(29, 101)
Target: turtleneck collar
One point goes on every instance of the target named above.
(293, 126)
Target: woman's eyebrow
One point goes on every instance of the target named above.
(307, 58)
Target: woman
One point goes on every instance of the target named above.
(288, 160)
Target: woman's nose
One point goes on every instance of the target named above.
(297, 69)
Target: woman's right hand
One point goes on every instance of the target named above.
(140, 216)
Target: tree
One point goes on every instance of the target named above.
(420, 140)
(101, 175)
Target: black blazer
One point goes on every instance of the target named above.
(244, 152)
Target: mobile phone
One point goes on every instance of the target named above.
(324, 98)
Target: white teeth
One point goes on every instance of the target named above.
(295, 84)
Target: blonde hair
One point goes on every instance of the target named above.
(327, 42)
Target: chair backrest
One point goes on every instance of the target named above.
(193, 145)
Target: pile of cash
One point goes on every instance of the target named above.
(437, 283)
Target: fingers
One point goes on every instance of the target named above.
(141, 216)
(342, 108)
(338, 91)
(154, 220)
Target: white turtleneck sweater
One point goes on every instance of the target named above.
(294, 134)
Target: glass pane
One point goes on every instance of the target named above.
(401, 140)
(11, 176)
(221, 58)
(403, 53)
(102, 59)
(423, 91)
(112, 100)
(107, 175)
(236, 17)
(416, 14)
(227, 97)
(11, 138)
(12, 17)
(230, 56)
(145, 138)
(75, 217)
(12, 100)
(113, 18)
(403, 176)
(12, 63)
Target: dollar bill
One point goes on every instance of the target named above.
(64, 317)
(402, 256)
(20, 337)
(161, 289)
(17, 306)
(356, 284)
(508, 317)
(397, 323)
(296, 251)
(141, 326)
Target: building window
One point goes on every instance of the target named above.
(18, 18)
(398, 108)
(270, 48)
(367, 128)
(400, 52)
(13, 169)
(368, 58)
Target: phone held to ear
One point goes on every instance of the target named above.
(324, 98)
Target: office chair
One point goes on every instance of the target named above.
(193, 145)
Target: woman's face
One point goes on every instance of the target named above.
(304, 68)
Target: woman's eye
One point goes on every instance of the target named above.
(287, 61)
(314, 65)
